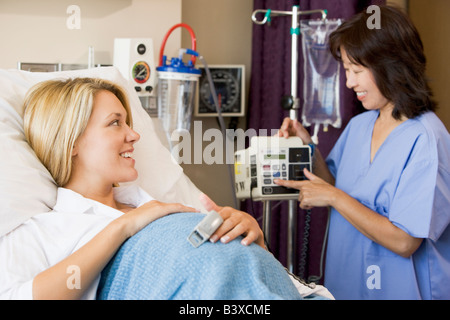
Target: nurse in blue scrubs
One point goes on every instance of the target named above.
(387, 179)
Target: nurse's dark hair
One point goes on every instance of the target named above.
(394, 53)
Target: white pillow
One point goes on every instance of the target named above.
(27, 188)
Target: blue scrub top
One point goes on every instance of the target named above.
(408, 181)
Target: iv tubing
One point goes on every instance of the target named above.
(315, 138)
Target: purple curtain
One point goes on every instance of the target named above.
(270, 81)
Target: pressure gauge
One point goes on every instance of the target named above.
(227, 90)
(140, 72)
(229, 84)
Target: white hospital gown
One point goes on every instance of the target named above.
(47, 238)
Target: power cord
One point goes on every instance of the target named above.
(305, 242)
(303, 255)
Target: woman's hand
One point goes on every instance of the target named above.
(138, 218)
(314, 192)
(291, 127)
(235, 223)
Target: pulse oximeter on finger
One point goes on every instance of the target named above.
(205, 229)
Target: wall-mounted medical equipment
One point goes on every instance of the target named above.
(134, 58)
(38, 67)
(321, 105)
(205, 228)
(177, 84)
(54, 67)
(229, 82)
(270, 158)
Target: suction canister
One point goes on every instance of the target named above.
(177, 84)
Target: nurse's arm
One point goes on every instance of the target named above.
(320, 168)
(316, 192)
(376, 227)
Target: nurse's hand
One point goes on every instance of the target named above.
(314, 192)
(235, 223)
(291, 127)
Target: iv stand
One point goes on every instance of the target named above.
(293, 114)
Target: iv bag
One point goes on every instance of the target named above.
(321, 75)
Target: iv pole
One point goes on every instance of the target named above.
(293, 114)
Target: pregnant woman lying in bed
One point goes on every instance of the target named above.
(105, 241)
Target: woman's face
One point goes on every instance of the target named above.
(104, 152)
(360, 79)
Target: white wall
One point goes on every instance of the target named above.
(224, 36)
(36, 31)
(431, 20)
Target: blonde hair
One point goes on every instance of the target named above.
(56, 114)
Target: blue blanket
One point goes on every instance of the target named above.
(159, 263)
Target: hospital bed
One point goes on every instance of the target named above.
(27, 189)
